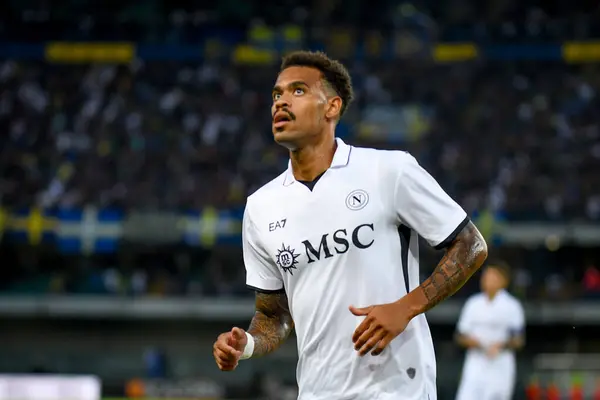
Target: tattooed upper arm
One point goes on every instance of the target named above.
(472, 241)
(463, 257)
(272, 322)
(272, 304)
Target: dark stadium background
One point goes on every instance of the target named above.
(131, 132)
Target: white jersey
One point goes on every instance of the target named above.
(351, 240)
(490, 322)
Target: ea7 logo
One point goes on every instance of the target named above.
(277, 224)
(360, 237)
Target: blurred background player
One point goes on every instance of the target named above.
(491, 328)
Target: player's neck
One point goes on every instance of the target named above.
(311, 161)
(492, 295)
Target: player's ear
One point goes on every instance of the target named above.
(334, 107)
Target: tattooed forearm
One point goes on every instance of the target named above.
(272, 322)
(467, 341)
(515, 343)
(464, 256)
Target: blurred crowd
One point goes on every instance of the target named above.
(516, 138)
(145, 136)
(159, 21)
(523, 139)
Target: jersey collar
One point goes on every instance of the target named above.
(499, 295)
(341, 158)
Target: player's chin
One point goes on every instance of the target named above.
(283, 135)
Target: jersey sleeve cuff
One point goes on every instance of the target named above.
(516, 332)
(461, 331)
(264, 285)
(265, 291)
(450, 238)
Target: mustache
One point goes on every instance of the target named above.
(289, 113)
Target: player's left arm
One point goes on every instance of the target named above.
(462, 258)
(516, 342)
(516, 336)
(384, 322)
(422, 205)
(516, 339)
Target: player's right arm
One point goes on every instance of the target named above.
(466, 341)
(271, 325)
(272, 321)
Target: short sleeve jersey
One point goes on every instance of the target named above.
(351, 240)
(491, 321)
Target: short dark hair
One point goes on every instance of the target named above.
(501, 267)
(334, 72)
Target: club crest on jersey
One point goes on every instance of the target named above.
(357, 200)
(287, 259)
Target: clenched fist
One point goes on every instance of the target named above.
(228, 349)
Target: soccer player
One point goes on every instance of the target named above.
(491, 328)
(330, 248)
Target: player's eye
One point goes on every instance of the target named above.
(276, 96)
(299, 92)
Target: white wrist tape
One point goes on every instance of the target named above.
(249, 349)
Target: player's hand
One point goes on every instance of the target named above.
(381, 325)
(228, 349)
(494, 350)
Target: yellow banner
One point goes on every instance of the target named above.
(64, 52)
(581, 51)
(244, 54)
(454, 52)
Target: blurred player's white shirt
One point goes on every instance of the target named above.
(352, 240)
(490, 322)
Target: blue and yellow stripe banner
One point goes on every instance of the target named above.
(32, 226)
(93, 231)
(211, 226)
(242, 51)
(89, 230)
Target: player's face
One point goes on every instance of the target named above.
(299, 104)
(492, 280)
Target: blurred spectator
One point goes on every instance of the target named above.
(521, 282)
(155, 361)
(591, 282)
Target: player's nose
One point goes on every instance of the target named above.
(282, 102)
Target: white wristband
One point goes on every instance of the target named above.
(249, 349)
